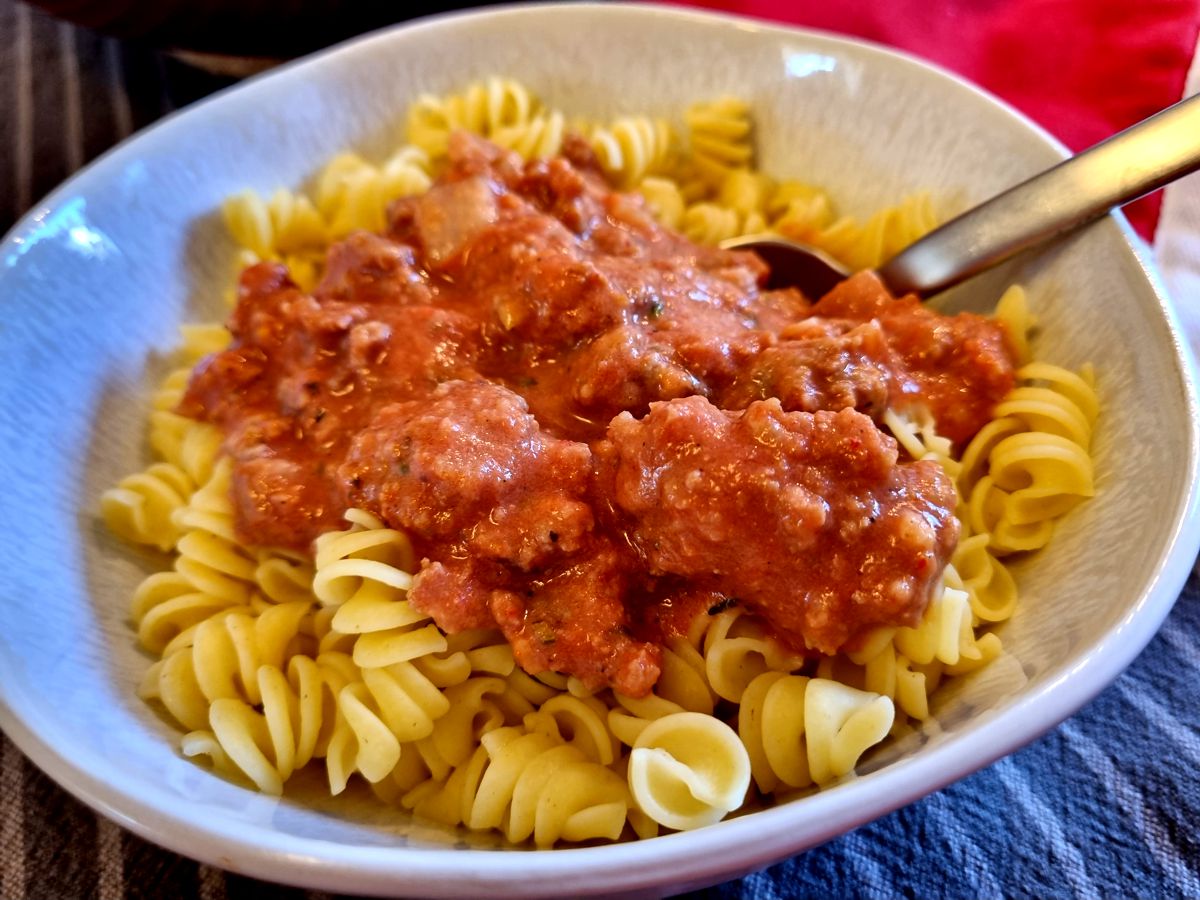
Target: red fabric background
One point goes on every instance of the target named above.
(1083, 69)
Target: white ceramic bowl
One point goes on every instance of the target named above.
(94, 282)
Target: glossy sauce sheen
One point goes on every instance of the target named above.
(592, 428)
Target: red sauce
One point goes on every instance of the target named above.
(593, 428)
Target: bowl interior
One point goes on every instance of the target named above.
(97, 280)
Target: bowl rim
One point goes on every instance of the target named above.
(259, 851)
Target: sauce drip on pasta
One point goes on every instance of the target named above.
(592, 428)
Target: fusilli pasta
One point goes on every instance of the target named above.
(269, 660)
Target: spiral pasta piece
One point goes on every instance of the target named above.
(366, 745)
(581, 801)
(710, 223)
(991, 587)
(350, 194)
(944, 633)
(555, 794)
(905, 664)
(448, 800)
(720, 137)
(218, 656)
(1032, 465)
(1013, 310)
(266, 745)
(364, 572)
(335, 179)
(579, 721)
(295, 224)
(799, 211)
(907, 684)
(688, 770)
(404, 700)
(664, 199)
(287, 228)
(747, 193)
(538, 138)
(166, 604)
(885, 233)
(632, 147)
(192, 446)
(209, 555)
(684, 677)
(284, 576)
(140, 507)
(479, 651)
(841, 723)
(771, 727)
(737, 649)
(248, 222)
(916, 432)
(528, 785)
(471, 711)
(354, 195)
(510, 752)
(172, 682)
(170, 390)
(199, 339)
(484, 108)
(227, 649)
(294, 710)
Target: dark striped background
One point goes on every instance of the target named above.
(1108, 805)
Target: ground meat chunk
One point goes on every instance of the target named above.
(425, 347)
(807, 518)
(368, 268)
(557, 296)
(558, 189)
(455, 593)
(469, 155)
(832, 372)
(576, 621)
(625, 369)
(957, 367)
(471, 467)
(518, 374)
(274, 492)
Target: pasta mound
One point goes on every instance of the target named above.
(271, 661)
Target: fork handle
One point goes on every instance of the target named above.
(1114, 172)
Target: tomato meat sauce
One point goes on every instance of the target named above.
(591, 427)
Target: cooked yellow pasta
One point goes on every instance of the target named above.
(633, 147)
(271, 661)
(687, 770)
(484, 107)
(364, 572)
(539, 137)
(736, 649)
(664, 199)
(771, 727)
(840, 724)
(1032, 464)
(710, 223)
(140, 508)
(720, 137)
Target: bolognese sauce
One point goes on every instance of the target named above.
(591, 427)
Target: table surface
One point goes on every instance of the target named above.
(1105, 805)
